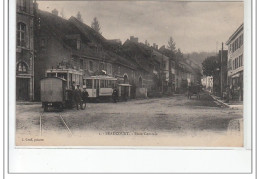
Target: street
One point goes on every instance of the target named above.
(175, 120)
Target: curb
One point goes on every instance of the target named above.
(225, 104)
(219, 101)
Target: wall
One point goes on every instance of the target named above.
(25, 54)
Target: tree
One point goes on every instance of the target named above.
(95, 25)
(210, 66)
(171, 45)
(172, 48)
(179, 55)
(79, 17)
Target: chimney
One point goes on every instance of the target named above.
(134, 39)
(55, 12)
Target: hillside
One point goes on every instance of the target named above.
(198, 58)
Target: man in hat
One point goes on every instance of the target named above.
(84, 96)
(77, 97)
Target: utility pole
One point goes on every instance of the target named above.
(221, 82)
(162, 72)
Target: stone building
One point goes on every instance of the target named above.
(24, 50)
(71, 42)
(235, 64)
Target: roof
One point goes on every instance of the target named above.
(233, 36)
(64, 29)
(104, 77)
(139, 54)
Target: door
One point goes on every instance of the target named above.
(22, 89)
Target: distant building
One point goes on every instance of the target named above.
(24, 50)
(235, 64)
(207, 83)
(133, 39)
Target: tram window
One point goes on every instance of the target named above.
(109, 84)
(51, 74)
(102, 83)
(62, 75)
(89, 83)
(95, 84)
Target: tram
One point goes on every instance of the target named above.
(100, 86)
(56, 87)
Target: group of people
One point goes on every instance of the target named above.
(80, 97)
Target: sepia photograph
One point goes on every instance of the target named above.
(129, 73)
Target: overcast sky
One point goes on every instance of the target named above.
(194, 26)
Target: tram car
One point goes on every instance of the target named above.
(56, 88)
(100, 87)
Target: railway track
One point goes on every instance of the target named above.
(60, 117)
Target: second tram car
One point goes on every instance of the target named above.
(100, 86)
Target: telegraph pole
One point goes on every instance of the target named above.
(221, 82)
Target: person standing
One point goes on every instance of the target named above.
(115, 95)
(84, 98)
(77, 97)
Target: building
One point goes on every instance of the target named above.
(73, 44)
(148, 69)
(235, 64)
(24, 50)
(207, 83)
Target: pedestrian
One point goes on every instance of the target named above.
(115, 95)
(84, 97)
(77, 97)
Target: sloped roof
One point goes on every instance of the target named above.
(62, 29)
(139, 54)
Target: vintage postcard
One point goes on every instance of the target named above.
(130, 73)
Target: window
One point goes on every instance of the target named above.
(118, 70)
(242, 60)
(22, 67)
(21, 29)
(101, 66)
(242, 39)
(164, 65)
(89, 83)
(90, 66)
(102, 83)
(43, 43)
(21, 5)
(81, 63)
(78, 44)
(109, 68)
(233, 64)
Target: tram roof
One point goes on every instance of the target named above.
(64, 70)
(101, 77)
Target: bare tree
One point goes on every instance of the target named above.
(95, 25)
(79, 16)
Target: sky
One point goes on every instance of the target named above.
(194, 26)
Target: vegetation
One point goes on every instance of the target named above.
(95, 25)
(210, 66)
(79, 17)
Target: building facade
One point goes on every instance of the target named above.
(73, 44)
(235, 64)
(24, 50)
